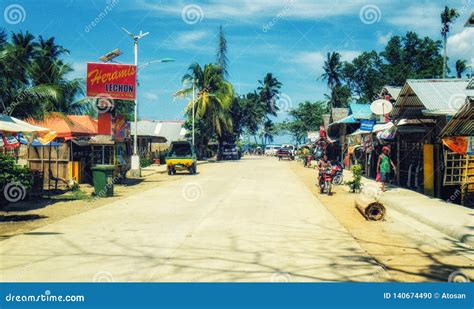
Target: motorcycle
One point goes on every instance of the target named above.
(325, 181)
(337, 173)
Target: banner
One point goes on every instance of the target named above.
(367, 125)
(237, 295)
(112, 81)
(456, 144)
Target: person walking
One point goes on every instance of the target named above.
(383, 166)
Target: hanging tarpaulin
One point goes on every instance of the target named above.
(10, 141)
(47, 138)
(470, 145)
(456, 144)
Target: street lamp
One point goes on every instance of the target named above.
(152, 62)
(110, 56)
(135, 170)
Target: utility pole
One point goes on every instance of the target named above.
(135, 169)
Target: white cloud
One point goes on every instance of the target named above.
(191, 40)
(150, 96)
(251, 9)
(461, 45)
(383, 39)
(423, 18)
(314, 61)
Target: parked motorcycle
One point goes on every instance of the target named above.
(337, 173)
(325, 181)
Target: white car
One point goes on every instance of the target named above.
(271, 150)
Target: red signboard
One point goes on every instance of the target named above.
(114, 81)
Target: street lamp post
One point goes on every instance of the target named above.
(135, 169)
(193, 111)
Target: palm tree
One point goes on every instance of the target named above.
(269, 90)
(214, 96)
(268, 131)
(448, 16)
(332, 70)
(461, 66)
(33, 79)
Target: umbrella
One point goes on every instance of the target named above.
(12, 124)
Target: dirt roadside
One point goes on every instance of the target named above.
(25, 216)
(400, 249)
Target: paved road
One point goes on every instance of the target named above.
(251, 220)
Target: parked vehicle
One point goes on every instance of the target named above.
(290, 147)
(285, 153)
(337, 173)
(325, 181)
(180, 157)
(270, 150)
(228, 151)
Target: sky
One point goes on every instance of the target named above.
(289, 38)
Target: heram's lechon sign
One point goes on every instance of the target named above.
(114, 81)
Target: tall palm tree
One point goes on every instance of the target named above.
(268, 131)
(448, 16)
(461, 66)
(214, 96)
(269, 90)
(33, 78)
(332, 70)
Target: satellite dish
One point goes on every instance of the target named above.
(381, 107)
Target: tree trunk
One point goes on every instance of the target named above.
(445, 41)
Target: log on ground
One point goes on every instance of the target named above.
(370, 208)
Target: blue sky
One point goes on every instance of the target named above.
(286, 37)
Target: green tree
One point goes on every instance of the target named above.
(364, 76)
(332, 70)
(448, 16)
(461, 66)
(33, 79)
(269, 90)
(307, 117)
(214, 98)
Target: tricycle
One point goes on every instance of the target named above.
(181, 157)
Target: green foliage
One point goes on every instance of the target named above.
(364, 75)
(461, 66)
(268, 92)
(12, 173)
(355, 184)
(33, 80)
(308, 116)
(145, 162)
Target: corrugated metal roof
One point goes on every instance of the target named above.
(171, 130)
(431, 95)
(392, 91)
(360, 111)
(462, 124)
(338, 113)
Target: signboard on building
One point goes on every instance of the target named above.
(367, 125)
(112, 81)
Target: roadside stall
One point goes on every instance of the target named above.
(64, 155)
(458, 152)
